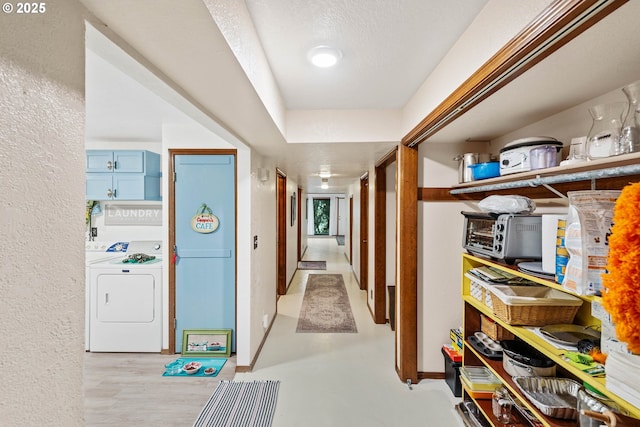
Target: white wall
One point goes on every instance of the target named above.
(354, 193)
(292, 231)
(42, 211)
(262, 295)
(494, 26)
(390, 262)
(439, 255)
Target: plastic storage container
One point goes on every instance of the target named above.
(452, 374)
(485, 170)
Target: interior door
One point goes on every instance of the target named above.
(205, 255)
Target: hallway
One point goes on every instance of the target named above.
(343, 379)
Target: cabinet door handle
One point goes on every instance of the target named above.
(106, 298)
(110, 193)
(110, 165)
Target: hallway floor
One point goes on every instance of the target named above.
(343, 379)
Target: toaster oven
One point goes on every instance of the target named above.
(503, 236)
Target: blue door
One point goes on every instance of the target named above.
(205, 279)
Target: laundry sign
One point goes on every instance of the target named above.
(132, 215)
(204, 221)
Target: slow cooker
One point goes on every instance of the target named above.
(515, 156)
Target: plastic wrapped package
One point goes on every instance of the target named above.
(588, 228)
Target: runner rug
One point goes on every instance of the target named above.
(325, 306)
(312, 265)
(240, 404)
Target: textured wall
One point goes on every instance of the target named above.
(42, 215)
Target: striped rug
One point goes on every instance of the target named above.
(240, 404)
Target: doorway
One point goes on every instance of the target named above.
(281, 232)
(202, 238)
(364, 232)
(321, 216)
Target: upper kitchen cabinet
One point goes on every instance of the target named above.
(122, 175)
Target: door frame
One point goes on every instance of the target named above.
(172, 232)
(299, 210)
(281, 232)
(364, 233)
(380, 231)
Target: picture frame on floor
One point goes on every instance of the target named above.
(206, 342)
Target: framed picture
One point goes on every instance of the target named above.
(293, 209)
(206, 342)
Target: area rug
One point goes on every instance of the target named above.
(340, 240)
(312, 265)
(240, 404)
(173, 369)
(325, 306)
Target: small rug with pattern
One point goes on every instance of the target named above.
(240, 404)
(174, 369)
(325, 306)
(312, 265)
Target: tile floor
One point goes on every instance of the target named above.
(343, 379)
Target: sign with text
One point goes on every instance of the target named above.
(132, 215)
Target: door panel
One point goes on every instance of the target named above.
(127, 298)
(205, 269)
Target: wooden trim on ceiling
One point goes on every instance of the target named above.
(543, 36)
(388, 158)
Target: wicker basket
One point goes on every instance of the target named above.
(493, 330)
(533, 315)
(480, 292)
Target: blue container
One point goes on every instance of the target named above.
(485, 170)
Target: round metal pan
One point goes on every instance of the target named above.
(568, 334)
(524, 353)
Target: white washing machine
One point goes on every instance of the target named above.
(126, 302)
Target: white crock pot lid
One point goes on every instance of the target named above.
(533, 140)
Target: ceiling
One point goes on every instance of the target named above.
(242, 65)
(389, 49)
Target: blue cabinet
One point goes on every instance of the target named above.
(122, 175)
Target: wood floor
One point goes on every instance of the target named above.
(128, 389)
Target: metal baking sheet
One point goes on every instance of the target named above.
(568, 334)
(554, 397)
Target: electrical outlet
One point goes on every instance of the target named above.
(94, 231)
(255, 242)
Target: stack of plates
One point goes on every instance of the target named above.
(535, 269)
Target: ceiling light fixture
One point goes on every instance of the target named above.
(324, 56)
(325, 183)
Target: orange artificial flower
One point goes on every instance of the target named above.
(621, 296)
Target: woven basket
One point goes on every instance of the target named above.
(533, 315)
(493, 330)
(479, 292)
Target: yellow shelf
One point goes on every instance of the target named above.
(530, 336)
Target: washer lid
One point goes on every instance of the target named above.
(533, 140)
